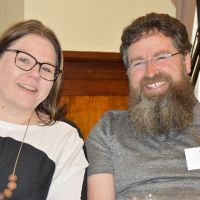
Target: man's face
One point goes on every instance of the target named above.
(161, 96)
(153, 77)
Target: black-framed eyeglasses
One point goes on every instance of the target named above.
(159, 59)
(26, 62)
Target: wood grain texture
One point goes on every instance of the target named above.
(93, 73)
(86, 110)
(93, 82)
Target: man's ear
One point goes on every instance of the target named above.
(129, 76)
(187, 63)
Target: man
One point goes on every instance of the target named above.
(150, 151)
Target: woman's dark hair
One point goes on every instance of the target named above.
(153, 22)
(19, 30)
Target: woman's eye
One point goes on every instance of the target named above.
(23, 60)
(47, 69)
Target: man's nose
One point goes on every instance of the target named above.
(151, 68)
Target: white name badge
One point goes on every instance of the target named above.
(193, 158)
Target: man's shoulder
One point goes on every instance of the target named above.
(114, 119)
(115, 115)
(112, 123)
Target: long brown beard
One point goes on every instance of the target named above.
(160, 114)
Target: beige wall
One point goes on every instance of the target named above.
(83, 25)
(92, 25)
(10, 11)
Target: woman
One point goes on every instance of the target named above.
(40, 156)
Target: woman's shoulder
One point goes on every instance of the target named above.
(65, 129)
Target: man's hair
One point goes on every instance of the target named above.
(21, 29)
(153, 22)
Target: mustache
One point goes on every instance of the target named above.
(156, 78)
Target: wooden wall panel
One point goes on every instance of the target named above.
(86, 110)
(93, 83)
(94, 73)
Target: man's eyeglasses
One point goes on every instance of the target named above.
(27, 62)
(159, 59)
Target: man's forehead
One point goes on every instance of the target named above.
(147, 34)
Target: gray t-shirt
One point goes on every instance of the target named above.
(152, 168)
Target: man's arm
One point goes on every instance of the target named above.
(101, 187)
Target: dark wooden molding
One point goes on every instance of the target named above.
(91, 56)
(93, 73)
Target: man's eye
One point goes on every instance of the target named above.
(138, 64)
(162, 57)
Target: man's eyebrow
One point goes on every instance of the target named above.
(136, 59)
(160, 52)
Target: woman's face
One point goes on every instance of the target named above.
(25, 90)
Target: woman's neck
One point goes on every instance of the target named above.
(18, 117)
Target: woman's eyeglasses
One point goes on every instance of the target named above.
(27, 62)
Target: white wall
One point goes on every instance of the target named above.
(197, 89)
(197, 86)
(91, 25)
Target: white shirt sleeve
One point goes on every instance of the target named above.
(69, 173)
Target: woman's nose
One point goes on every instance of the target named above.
(35, 71)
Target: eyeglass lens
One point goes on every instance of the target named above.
(26, 62)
